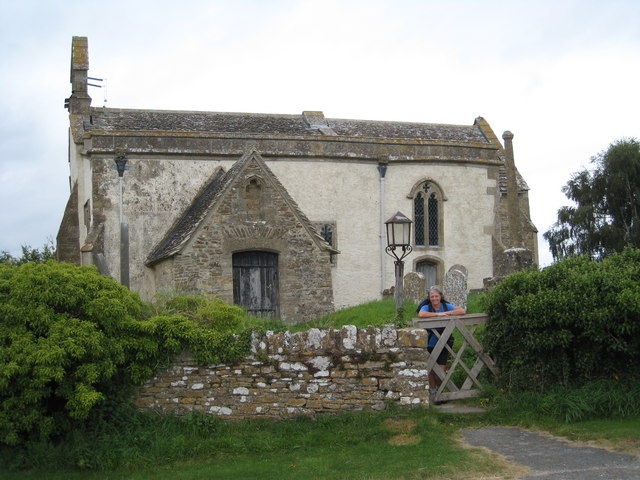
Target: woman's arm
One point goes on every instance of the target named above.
(454, 311)
(457, 311)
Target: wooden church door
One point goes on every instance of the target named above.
(255, 282)
(430, 272)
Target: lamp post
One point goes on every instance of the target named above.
(398, 246)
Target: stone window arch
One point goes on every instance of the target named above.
(253, 199)
(253, 195)
(428, 212)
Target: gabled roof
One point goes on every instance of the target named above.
(307, 124)
(207, 200)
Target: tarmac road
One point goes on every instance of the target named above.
(550, 458)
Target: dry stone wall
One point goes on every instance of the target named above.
(306, 373)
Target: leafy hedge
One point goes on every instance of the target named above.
(71, 338)
(568, 323)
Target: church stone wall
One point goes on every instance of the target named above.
(468, 215)
(157, 190)
(346, 193)
(306, 373)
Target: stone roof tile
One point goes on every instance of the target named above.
(178, 121)
(426, 131)
(106, 119)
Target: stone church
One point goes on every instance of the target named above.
(283, 214)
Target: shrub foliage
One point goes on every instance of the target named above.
(574, 320)
(70, 338)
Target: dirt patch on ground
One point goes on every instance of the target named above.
(623, 445)
(403, 427)
(400, 425)
(404, 439)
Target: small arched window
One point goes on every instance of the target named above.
(427, 215)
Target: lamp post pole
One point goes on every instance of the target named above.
(399, 289)
(398, 246)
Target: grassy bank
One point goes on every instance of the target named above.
(394, 444)
(388, 445)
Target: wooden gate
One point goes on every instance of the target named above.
(255, 282)
(466, 325)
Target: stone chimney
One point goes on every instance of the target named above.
(79, 102)
(513, 207)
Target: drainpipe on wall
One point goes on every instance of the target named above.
(121, 166)
(382, 169)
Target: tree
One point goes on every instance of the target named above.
(29, 254)
(606, 214)
(72, 340)
(66, 334)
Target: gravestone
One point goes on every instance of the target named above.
(455, 286)
(414, 287)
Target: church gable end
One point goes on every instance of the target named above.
(250, 211)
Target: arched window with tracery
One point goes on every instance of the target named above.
(427, 214)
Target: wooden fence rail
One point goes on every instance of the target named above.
(466, 325)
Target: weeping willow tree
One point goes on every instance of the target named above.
(605, 216)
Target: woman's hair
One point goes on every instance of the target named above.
(436, 288)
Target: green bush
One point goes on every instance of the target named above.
(72, 339)
(574, 320)
(184, 305)
(219, 316)
(208, 313)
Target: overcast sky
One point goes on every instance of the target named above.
(563, 76)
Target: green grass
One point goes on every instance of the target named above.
(376, 313)
(622, 434)
(394, 444)
(346, 446)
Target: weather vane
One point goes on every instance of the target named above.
(103, 87)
